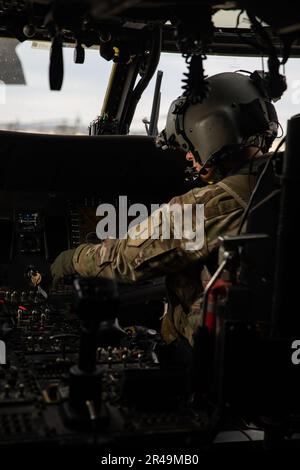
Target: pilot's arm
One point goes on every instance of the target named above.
(214, 212)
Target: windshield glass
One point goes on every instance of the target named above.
(34, 107)
(27, 103)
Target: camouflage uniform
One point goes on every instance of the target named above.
(136, 259)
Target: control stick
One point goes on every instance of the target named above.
(97, 301)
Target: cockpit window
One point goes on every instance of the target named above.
(28, 104)
(33, 107)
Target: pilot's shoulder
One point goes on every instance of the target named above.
(197, 195)
(207, 193)
(232, 192)
(224, 197)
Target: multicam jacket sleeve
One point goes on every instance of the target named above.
(133, 259)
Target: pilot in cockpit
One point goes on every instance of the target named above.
(227, 137)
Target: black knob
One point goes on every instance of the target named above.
(79, 54)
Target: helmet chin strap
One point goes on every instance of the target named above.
(203, 170)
